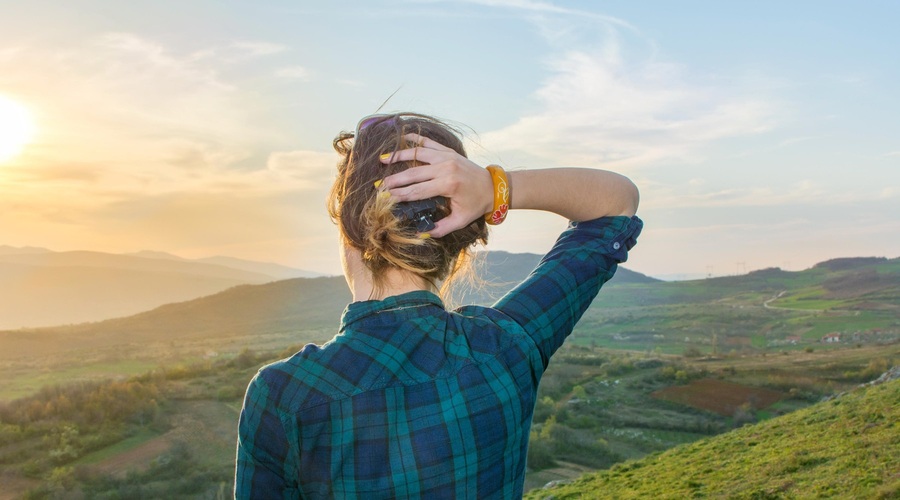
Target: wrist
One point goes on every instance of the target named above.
(486, 193)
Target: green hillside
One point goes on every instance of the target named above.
(856, 299)
(848, 447)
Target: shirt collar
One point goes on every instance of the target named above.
(355, 311)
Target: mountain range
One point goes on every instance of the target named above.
(296, 304)
(39, 287)
(634, 311)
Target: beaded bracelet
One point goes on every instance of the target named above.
(501, 195)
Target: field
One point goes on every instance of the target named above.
(596, 409)
(718, 396)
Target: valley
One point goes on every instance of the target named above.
(635, 379)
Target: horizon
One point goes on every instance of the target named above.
(126, 127)
(739, 270)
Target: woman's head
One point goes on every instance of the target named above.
(365, 218)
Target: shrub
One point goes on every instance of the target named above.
(692, 352)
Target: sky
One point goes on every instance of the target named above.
(761, 134)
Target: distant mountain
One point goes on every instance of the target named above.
(845, 263)
(275, 271)
(99, 260)
(9, 250)
(277, 307)
(302, 304)
(42, 288)
(514, 267)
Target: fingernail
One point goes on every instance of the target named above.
(424, 236)
(385, 194)
(385, 156)
(377, 183)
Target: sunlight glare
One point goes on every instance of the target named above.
(16, 128)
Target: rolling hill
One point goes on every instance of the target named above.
(274, 271)
(294, 305)
(848, 447)
(764, 311)
(633, 312)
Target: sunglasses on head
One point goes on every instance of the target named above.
(369, 121)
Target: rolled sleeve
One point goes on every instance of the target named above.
(554, 297)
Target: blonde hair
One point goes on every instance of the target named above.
(366, 220)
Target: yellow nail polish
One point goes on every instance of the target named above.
(424, 236)
(385, 156)
(377, 183)
(385, 194)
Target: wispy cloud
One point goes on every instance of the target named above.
(132, 103)
(303, 165)
(795, 140)
(531, 6)
(697, 194)
(610, 101)
(598, 109)
(258, 48)
(294, 73)
(141, 141)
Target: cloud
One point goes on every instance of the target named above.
(795, 140)
(294, 73)
(610, 101)
(237, 52)
(303, 165)
(130, 110)
(534, 7)
(201, 156)
(695, 193)
(66, 172)
(142, 142)
(599, 109)
(257, 48)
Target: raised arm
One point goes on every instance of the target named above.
(575, 193)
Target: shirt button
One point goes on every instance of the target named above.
(617, 245)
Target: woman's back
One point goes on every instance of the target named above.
(411, 400)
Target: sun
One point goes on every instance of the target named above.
(16, 128)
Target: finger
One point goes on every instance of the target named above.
(410, 176)
(423, 141)
(417, 191)
(447, 225)
(422, 154)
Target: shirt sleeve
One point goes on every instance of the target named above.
(263, 454)
(555, 295)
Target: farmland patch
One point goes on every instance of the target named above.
(719, 396)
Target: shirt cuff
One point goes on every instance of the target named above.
(620, 232)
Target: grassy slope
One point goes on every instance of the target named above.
(845, 448)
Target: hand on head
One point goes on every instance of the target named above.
(446, 173)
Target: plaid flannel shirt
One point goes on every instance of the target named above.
(412, 400)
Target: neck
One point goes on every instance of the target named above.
(394, 281)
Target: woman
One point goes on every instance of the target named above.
(410, 399)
